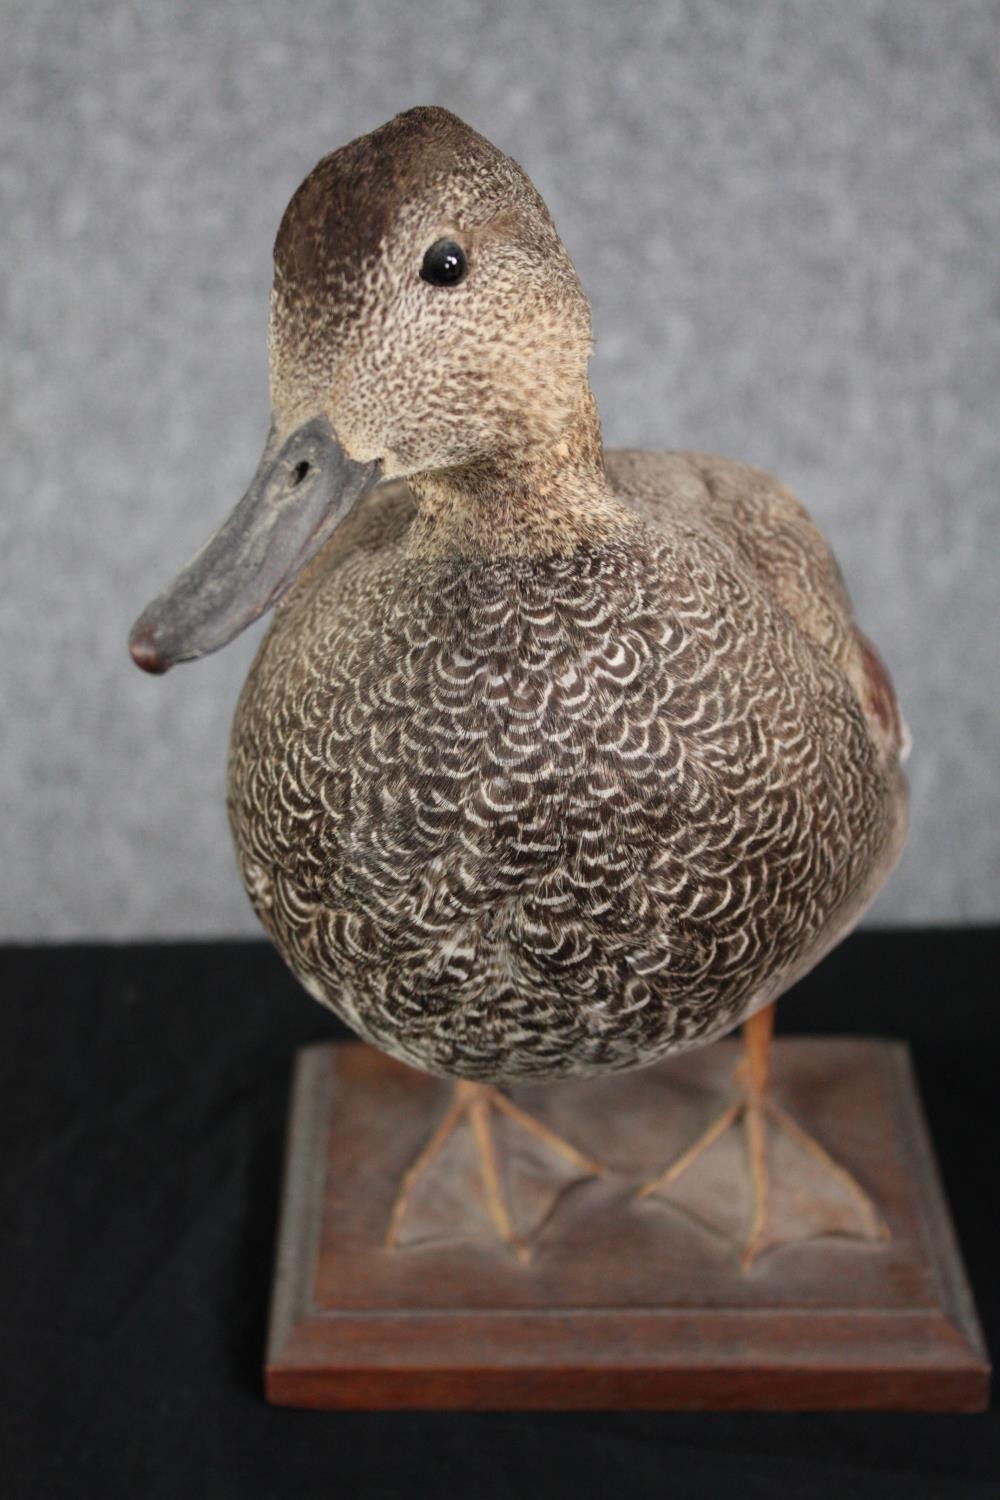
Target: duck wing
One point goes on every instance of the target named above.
(772, 535)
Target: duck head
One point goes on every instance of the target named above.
(425, 318)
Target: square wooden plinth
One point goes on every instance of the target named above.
(624, 1303)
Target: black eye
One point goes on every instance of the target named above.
(444, 263)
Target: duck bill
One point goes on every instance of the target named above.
(304, 487)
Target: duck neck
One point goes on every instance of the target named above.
(537, 502)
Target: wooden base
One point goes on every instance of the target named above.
(624, 1303)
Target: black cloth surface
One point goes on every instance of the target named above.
(143, 1093)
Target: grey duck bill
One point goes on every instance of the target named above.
(304, 486)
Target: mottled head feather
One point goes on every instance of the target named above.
(425, 377)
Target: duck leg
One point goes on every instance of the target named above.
(474, 1104)
(759, 1112)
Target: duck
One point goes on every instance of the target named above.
(556, 759)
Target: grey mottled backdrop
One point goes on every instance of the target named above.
(788, 220)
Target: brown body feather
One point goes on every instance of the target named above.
(548, 814)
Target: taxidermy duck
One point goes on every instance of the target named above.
(555, 760)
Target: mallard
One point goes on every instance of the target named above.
(555, 759)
